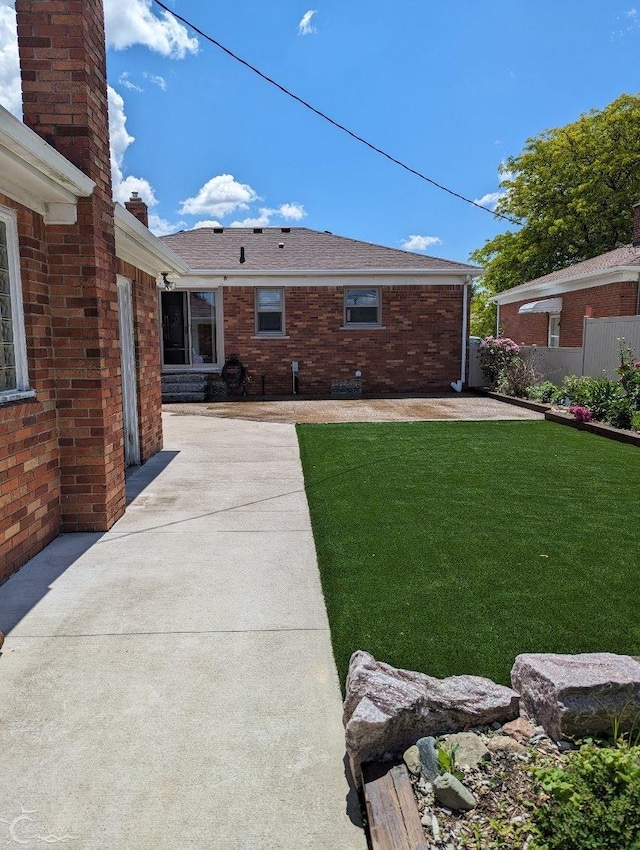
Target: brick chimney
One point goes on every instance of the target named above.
(137, 207)
(636, 224)
(64, 88)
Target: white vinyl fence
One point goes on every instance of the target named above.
(599, 354)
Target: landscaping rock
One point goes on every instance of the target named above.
(386, 710)
(429, 757)
(471, 750)
(505, 744)
(521, 729)
(573, 696)
(450, 792)
(411, 758)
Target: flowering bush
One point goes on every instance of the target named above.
(582, 414)
(496, 355)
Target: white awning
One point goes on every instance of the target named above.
(550, 305)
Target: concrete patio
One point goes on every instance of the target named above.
(170, 684)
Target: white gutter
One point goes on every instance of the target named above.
(559, 287)
(307, 272)
(35, 175)
(137, 245)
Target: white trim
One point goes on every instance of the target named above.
(463, 360)
(281, 334)
(318, 277)
(619, 274)
(136, 244)
(553, 316)
(10, 220)
(13, 395)
(35, 175)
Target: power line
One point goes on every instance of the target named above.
(330, 120)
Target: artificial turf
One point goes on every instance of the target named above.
(451, 547)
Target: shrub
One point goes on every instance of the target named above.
(577, 389)
(495, 354)
(635, 421)
(620, 412)
(517, 377)
(546, 392)
(602, 392)
(594, 800)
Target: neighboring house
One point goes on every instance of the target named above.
(283, 298)
(77, 287)
(550, 311)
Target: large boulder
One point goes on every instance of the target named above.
(387, 710)
(573, 696)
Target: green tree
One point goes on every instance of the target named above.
(573, 189)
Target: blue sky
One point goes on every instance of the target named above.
(451, 88)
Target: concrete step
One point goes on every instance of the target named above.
(169, 378)
(182, 397)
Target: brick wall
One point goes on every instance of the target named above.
(62, 55)
(146, 328)
(29, 459)
(418, 349)
(613, 299)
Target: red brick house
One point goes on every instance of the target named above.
(550, 311)
(78, 296)
(290, 298)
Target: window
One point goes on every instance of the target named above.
(554, 330)
(13, 350)
(269, 312)
(362, 306)
(189, 328)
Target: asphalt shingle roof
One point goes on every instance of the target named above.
(303, 249)
(624, 256)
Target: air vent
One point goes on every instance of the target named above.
(285, 230)
(218, 229)
(257, 230)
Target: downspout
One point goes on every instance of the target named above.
(638, 298)
(498, 319)
(457, 385)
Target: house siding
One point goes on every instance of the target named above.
(614, 299)
(417, 349)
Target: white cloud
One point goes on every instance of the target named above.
(162, 227)
(206, 223)
(10, 91)
(133, 22)
(220, 196)
(292, 212)
(156, 79)
(120, 139)
(490, 200)
(420, 243)
(305, 27)
(125, 80)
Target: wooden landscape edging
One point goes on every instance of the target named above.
(392, 811)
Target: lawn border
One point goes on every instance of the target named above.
(599, 428)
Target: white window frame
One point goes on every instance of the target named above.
(348, 324)
(282, 331)
(553, 316)
(22, 389)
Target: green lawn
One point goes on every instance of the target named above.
(451, 547)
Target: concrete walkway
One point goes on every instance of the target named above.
(170, 684)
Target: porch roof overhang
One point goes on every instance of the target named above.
(137, 245)
(549, 305)
(35, 175)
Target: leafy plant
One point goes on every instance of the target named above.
(635, 421)
(546, 392)
(577, 389)
(582, 414)
(602, 392)
(593, 800)
(447, 759)
(620, 412)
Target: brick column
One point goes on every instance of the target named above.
(62, 56)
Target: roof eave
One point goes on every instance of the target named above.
(137, 245)
(460, 272)
(35, 175)
(557, 287)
